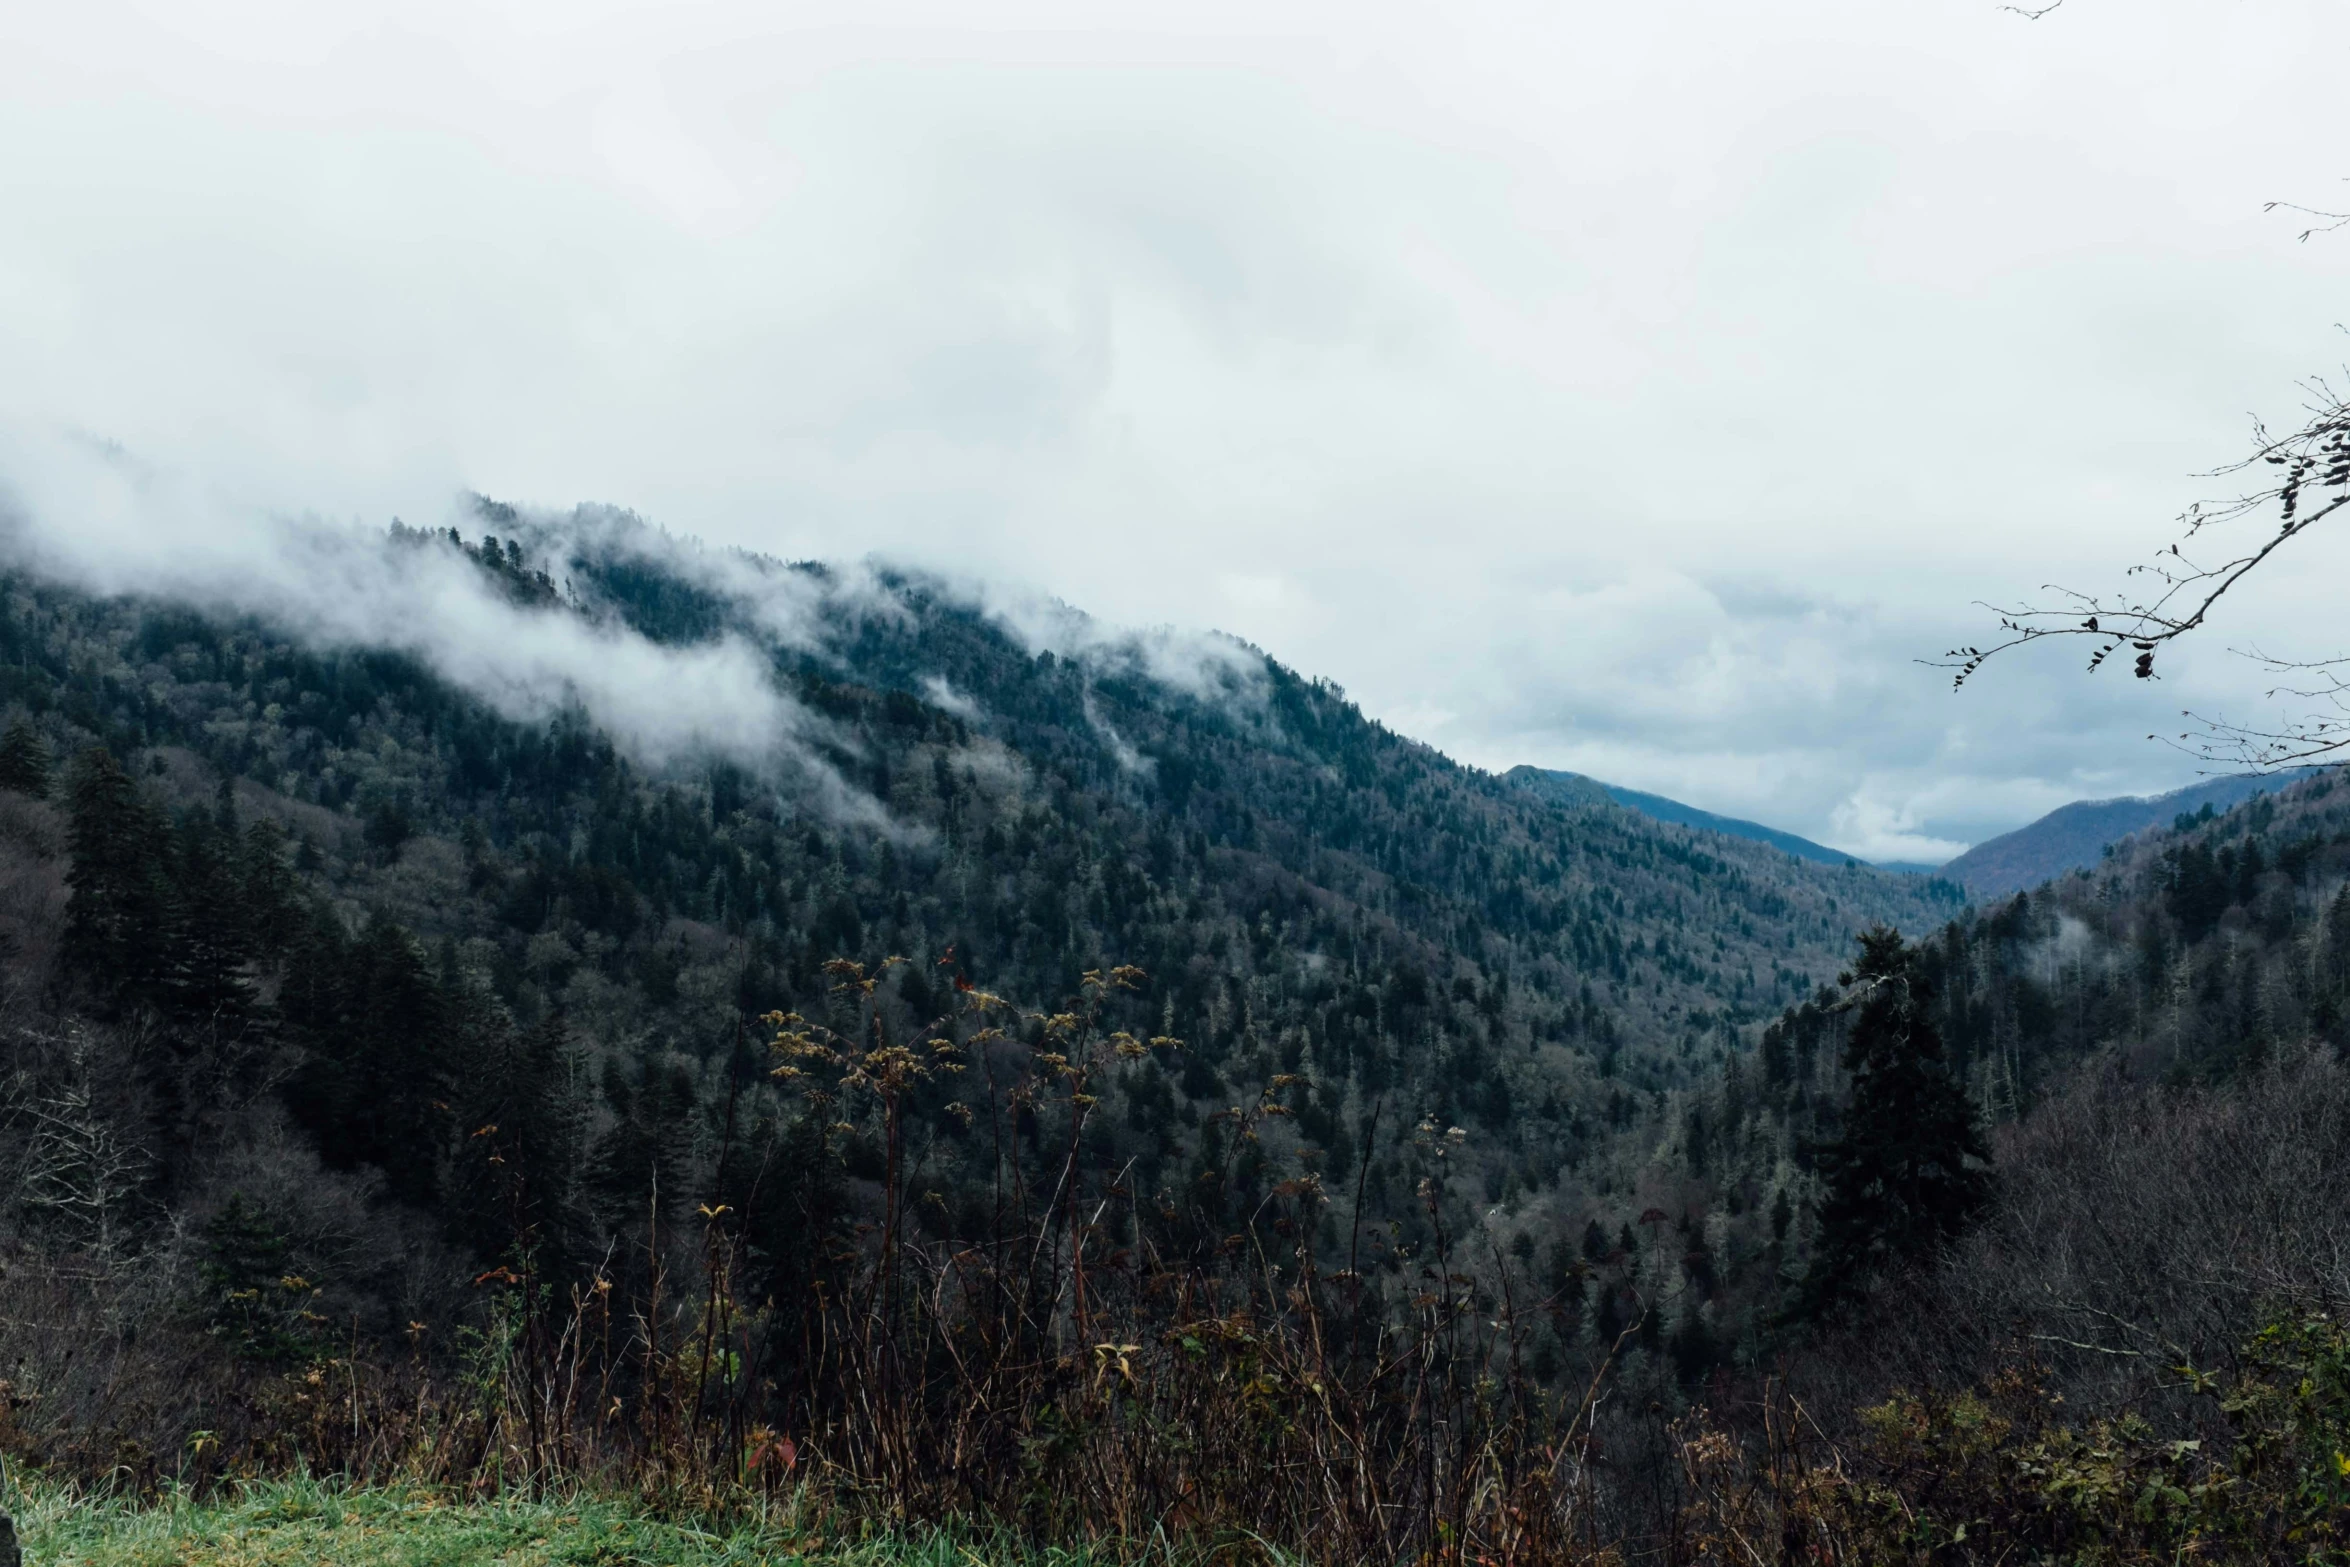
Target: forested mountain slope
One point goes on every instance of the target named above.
(353, 1009)
(2198, 955)
(1565, 785)
(338, 911)
(1045, 815)
(2073, 837)
(2195, 952)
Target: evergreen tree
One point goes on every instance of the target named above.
(24, 761)
(388, 830)
(207, 959)
(375, 1083)
(257, 1305)
(115, 926)
(1692, 1343)
(273, 894)
(642, 1154)
(2334, 946)
(1911, 1169)
(520, 1140)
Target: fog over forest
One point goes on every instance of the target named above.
(1191, 785)
(1635, 393)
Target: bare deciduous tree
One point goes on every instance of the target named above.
(78, 1171)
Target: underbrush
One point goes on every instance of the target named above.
(2249, 1462)
(1068, 1361)
(2243, 1462)
(2138, 1358)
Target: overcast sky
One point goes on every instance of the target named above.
(1636, 388)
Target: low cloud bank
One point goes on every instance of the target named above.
(1207, 665)
(85, 512)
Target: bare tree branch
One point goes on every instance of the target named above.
(2326, 222)
(2309, 471)
(2321, 683)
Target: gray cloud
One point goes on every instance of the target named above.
(941, 694)
(84, 512)
(1200, 663)
(1639, 389)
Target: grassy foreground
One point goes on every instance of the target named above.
(300, 1523)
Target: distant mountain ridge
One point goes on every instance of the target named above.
(2066, 839)
(1659, 808)
(2075, 836)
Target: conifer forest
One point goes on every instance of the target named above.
(1123, 1094)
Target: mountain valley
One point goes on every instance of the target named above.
(343, 996)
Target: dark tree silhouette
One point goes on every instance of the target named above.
(115, 926)
(1910, 1170)
(206, 963)
(376, 1083)
(24, 761)
(520, 1139)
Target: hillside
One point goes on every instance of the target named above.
(1566, 785)
(2075, 836)
(1023, 1039)
(443, 982)
(2199, 947)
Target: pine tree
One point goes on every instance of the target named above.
(273, 894)
(520, 1138)
(115, 926)
(2334, 946)
(206, 978)
(257, 1303)
(1911, 1169)
(24, 761)
(642, 1154)
(375, 1084)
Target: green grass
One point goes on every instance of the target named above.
(299, 1523)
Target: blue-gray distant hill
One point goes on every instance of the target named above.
(2073, 836)
(1655, 806)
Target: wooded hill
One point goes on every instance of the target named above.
(2076, 836)
(2195, 953)
(343, 1010)
(1309, 892)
